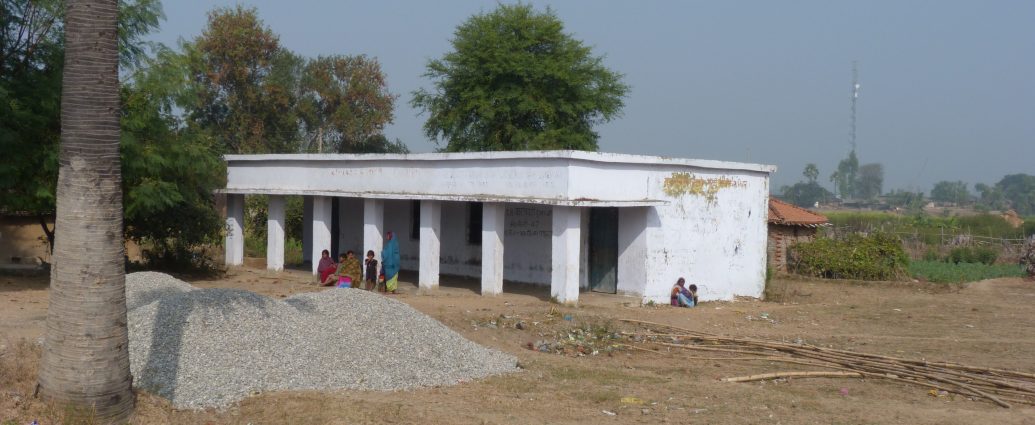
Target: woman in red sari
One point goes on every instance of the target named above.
(326, 266)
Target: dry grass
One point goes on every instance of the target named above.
(19, 365)
(990, 323)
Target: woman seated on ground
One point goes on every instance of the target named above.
(683, 297)
(326, 266)
(348, 273)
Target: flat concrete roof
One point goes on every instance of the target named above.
(452, 197)
(600, 157)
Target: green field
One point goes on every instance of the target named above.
(943, 272)
(930, 229)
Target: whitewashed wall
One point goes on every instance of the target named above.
(703, 220)
(717, 241)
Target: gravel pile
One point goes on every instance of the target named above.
(212, 347)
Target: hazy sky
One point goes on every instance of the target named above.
(948, 87)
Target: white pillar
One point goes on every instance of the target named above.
(373, 227)
(493, 226)
(564, 278)
(307, 229)
(275, 234)
(321, 228)
(234, 230)
(430, 226)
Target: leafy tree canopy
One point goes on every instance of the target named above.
(169, 170)
(247, 85)
(807, 193)
(31, 66)
(1019, 191)
(946, 191)
(870, 182)
(811, 172)
(845, 177)
(345, 103)
(516, 81)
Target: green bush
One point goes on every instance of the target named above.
(985, 255)
(943, 272)
(931, 255)
(975, 255)
(878, 256)
(175, 258)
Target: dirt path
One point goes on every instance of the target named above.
(989, 323)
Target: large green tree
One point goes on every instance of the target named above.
(31, 65)
(86, 351)
(1019, 191)
(516, 81)
(844, 178)
(247, 84)
(31, 61)
(169, 169)
(870, 181)
(345, 102)
(946, 191)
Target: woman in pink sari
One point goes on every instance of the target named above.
(326, 266)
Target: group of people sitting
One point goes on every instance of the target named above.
(683, 296)
(349, 273)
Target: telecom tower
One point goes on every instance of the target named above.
(855, 97)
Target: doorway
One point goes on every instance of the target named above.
(603, 250)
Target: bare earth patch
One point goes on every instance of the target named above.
(990, 323)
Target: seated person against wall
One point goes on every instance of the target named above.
(348, 273)
(326, 266)
(683, 297)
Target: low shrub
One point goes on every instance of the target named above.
(976, 255)
(176, 259)
(931, 255)
(878, 256)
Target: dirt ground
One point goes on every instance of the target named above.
(989, 323)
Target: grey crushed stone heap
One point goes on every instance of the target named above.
(204, 348)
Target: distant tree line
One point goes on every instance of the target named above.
(851, 181)
(854, 182)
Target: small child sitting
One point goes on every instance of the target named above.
(683, 297)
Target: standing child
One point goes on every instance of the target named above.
(371, 271)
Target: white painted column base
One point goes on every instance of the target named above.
(321, 229)
(373, 228)
(430, 227)
(234, 230)
(275, 234)
(564, 276)
(493, 226)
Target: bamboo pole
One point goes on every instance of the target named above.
(988, 383)
(776, 375)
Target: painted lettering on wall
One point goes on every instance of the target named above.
(680, 184)
(529, 222)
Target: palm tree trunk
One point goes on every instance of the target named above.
(86, 352)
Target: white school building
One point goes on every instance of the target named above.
(573, 220)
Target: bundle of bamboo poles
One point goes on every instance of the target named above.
(999, 386)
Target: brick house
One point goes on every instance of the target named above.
(788, 225)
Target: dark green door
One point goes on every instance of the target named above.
(603, 250)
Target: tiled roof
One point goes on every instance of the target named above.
(783, 213)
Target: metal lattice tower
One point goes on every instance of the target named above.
(855, 97)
